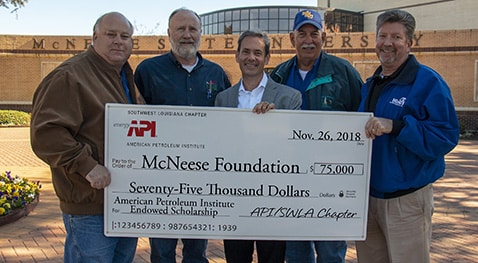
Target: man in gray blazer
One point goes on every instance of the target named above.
(255, 87)
(256, 91)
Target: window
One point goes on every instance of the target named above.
(263, 25)
(236, 15)
(273, 13)
(244, 14)
(284, 13)
(220, 28)
(236, 27)
(285, 26)
(220, 17)
(254, 24)
(254, 14)
(272, 20)
(343, 21)
(273, 26)
(263, 13)
(244, 25)
(292, 12)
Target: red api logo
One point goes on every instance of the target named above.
(141, 128)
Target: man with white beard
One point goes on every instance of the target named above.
(180, 77)
(327, 83)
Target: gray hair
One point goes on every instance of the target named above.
(185, 10)
(98, 21)
(261, 35)
(400, 16)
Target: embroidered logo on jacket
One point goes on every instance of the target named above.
(398, 102)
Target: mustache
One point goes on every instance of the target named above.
(308, 46)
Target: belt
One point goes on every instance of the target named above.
(400, 193)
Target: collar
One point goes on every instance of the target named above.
(199, 59)
(190, 68)
(378, 73)
(261, 86)
(314, 68)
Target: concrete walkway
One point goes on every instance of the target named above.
(39, 237)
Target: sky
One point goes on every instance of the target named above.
(67, 17)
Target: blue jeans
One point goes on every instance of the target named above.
(327, 251)
(164, 250)
(86, 242)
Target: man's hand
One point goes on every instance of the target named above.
(377, 127)
(99, 177)
(263, 107)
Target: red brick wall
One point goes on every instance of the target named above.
(25, 60)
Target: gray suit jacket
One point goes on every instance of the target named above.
(284, 97)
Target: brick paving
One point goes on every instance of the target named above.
(39, 237)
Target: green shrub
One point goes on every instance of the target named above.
(14, 118)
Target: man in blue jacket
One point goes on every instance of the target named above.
(326, 82)
(415, 125)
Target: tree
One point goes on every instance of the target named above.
(15, 3)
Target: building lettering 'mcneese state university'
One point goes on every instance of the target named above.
(26, 60)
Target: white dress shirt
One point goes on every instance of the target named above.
(249, 99)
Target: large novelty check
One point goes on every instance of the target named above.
(216, 173)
